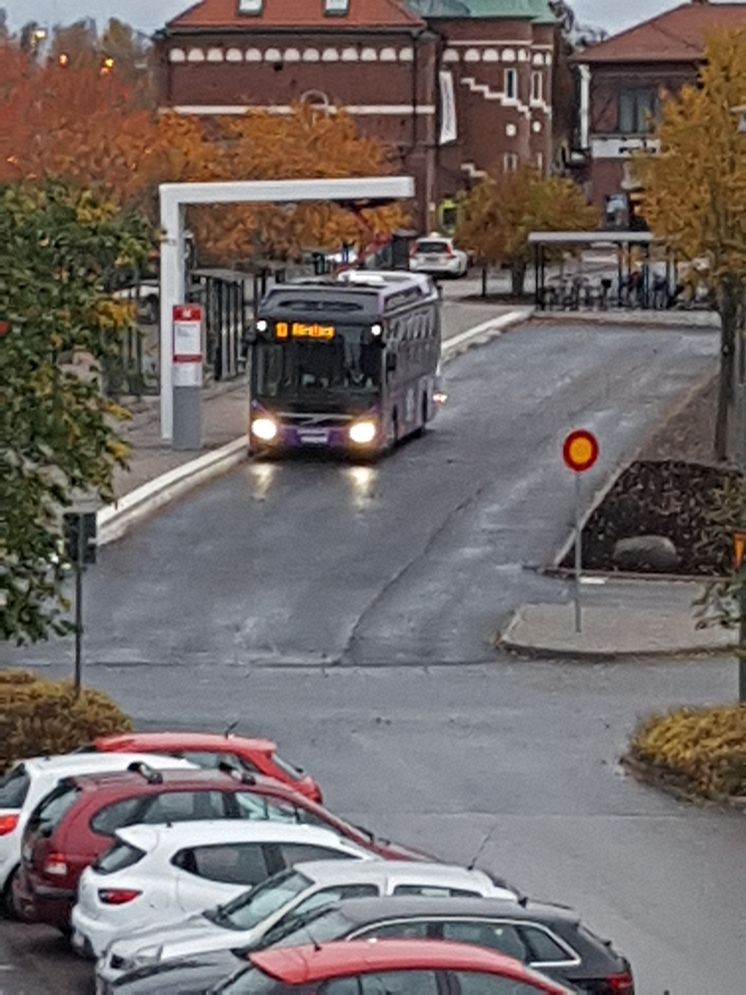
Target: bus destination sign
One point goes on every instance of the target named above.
(300, 330)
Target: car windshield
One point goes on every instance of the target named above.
(14, 787)
(317, 925)
(434, 248)
(347, 365)
(253, 907)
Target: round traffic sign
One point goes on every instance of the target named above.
(580, 450)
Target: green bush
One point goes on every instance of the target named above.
(39, 716)
(701, 751)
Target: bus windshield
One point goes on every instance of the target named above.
(350, 364)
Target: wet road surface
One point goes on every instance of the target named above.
(320, 603)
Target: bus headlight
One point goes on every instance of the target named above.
(363, 432)
(264, 429)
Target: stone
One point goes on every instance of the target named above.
(646, 553)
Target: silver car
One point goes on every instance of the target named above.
(245, 919)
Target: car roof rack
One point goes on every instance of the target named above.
(145, 770)
(240, 775)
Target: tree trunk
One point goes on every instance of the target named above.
(729, 306)
(518, 277)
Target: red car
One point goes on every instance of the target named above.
(76, 823)
(397, 967)
(206, 749)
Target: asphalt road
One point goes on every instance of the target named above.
(321, 603)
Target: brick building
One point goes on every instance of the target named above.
(621, 82)
(454, 87)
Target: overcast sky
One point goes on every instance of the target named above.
(147, 15)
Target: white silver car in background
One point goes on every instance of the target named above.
(438, 256)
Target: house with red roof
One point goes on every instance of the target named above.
(454, 87)
(621, 81)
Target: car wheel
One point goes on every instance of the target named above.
(9, 905)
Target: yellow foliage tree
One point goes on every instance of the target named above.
(695, 194)
(500, 212)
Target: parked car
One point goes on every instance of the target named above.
(157, 874)
(437, 255)
(246, 919)
(256, 756)
(391, 967)
(549, 938)
(77, 821)
(28, 781)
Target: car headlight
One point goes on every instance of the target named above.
(363, 432)
(144, 957)
(264, 428)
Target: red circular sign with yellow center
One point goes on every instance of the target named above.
(580, 450)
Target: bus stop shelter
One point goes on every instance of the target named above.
(356, 193)
(624, 279)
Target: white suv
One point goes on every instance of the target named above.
(438, 256)
(158, 874)
(28, 781)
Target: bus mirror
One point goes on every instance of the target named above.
(391, 362)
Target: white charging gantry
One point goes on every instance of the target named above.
(361, 192)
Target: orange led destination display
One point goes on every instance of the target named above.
(300, 330)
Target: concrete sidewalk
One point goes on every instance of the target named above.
(639, 619)
(224, 418)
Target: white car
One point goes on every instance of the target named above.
(438, 256)
(28, 781)
(286, 895)
(158, 874)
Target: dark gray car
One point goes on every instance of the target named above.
(550, 938)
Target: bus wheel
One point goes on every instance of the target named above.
(423, 427)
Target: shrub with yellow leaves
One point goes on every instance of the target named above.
(698, 751)
(39, 717)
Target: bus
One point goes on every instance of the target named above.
(348, 364)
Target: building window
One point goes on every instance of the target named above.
(511, 83)
(254, 7)
(336, 8)
(537, 85)
(510, 162)
(638, 108)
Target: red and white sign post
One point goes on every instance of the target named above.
(580, 452)
(188, 360)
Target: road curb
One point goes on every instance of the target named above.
(484, 332)
(530, 651)
(116, 519)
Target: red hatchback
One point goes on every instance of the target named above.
(206, 749)
(397, 967)
(76, 823)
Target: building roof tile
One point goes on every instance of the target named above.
(677, 35)
(224, 14)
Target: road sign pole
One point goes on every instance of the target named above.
(580, 452)
(79, 558)
(578, 555)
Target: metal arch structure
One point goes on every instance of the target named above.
(176, 197)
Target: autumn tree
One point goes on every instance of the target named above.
(501, 212)
(58, 246)
(695, 196)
